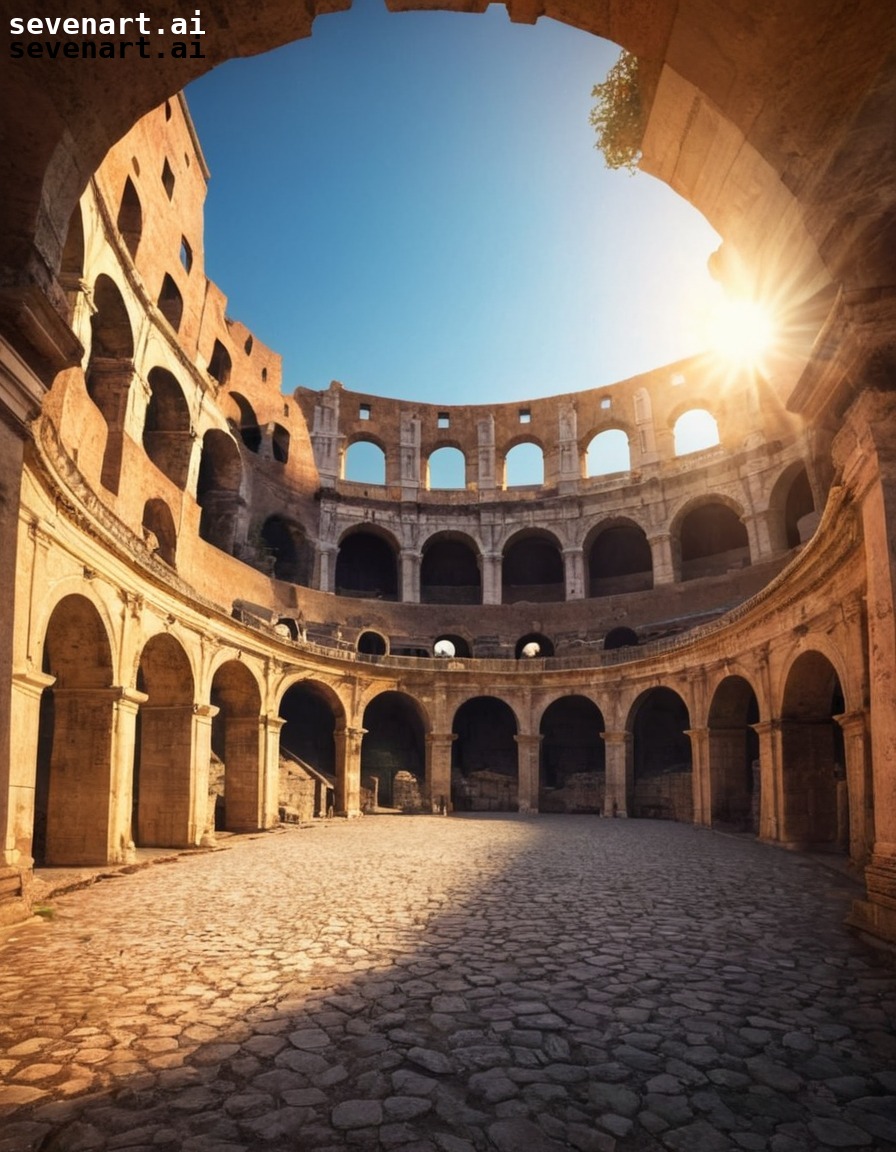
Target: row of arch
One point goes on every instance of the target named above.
(607, 452)
(122, 765)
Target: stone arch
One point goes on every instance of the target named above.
(167, 429)
(446, 468)
(367, 565)
(618, 559)
(734, 775)
(314, 719)
(372, 643)
(71, 268)
(364, 461)
(793, 517)
(166, 813)
(280, 443)
(621, 637)
(532, 568)
(662, 775)
(171, 302)
(463, 649)
(814, 797)
(236, 776)
(73, 777)
(484, 757)
(218, 489)
(159, 530)
(695, 430)
(608, 451)
(220, 364)
(393, 751)
(246, 422)
(450, 570)
(110, 371)
(292, 551)
(712, 539)
(526, 645)
(524, 464)
(573, 761)
(130, 218)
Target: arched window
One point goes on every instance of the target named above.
(130, 218)
(532, 569)
(365, 463)
(247, 422)
(218, 489)
(608, 452)
(695, 430)
(159, 531)
(110, 371)
(447, 468)
(171, 303)
(280, 444)
(220, 364)
(167, 436)
(713, 541)
(524, 466)
(449, 572)
(367, 565)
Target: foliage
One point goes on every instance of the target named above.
(618, 116)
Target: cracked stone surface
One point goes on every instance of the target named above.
(472, 984)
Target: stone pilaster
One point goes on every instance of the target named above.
(528, 774)
(348, 771)
(438, 770)
(620, 773)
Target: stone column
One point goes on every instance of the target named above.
(857, 805)
(348, 771)
(759, 536)
(270, 727)
(700, 777)
(326, 443)
(409, 456)
(528, 765)
(201, 825)
(569, 467)
(438, 770)
(485, 474)
(491, 577)
(411, 560)
(124, 739)
(771, 783)
(327, 567)
(18, 799)
(663, 557)
(574, 567)
(620, 773)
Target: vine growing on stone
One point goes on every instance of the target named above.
(618, 114)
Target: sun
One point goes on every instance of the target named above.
(741, 331)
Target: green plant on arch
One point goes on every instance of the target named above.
(618, 116)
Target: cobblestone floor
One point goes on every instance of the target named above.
(452, 985)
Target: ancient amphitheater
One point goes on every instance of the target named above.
(208, 626)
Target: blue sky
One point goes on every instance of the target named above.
(411, 203)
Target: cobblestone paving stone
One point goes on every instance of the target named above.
(471, 984)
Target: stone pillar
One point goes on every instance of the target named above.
(201, 825)
(770, 779)
(409, 456)
(663, 556)
(759, 536)
(173, 780)
(124, 738)
(438, 770)
(491, 577)
(528, 771)
(270, 728)
(109, 385)
(326, 443)
(620, 773)
(245, 779)
(570, 467)
(485, 476)
(410, 559)
(857, 805)
(326, 555)
(348, 771)
(18, 799)
(574, 567)
(700, 777)
(644, 450)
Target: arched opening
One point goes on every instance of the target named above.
(800, 518)
(620, 637)
(220, 364)
(372, 644)
(236, 779)
(534, 646)
(171, 303)
(608, 452)
(446, 468)
(73, 777)
(573, 763)
(524, 466)
(71, 269)
(532, 569)
(393, 753)
(292, 552)
(734, 757)
(364, 463)
(694, 431)
(167, 431)
(484, 760)
(280, 443)
(815, 801)
(713, 541)
(460, 645)
(165, 811)
(661, 757)
(367, 566)
(159, 531)
(619, 560)
(110, 371)
(449, 572)
(308, 751)
(247, 422)
(130, 218)
(218, 489)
